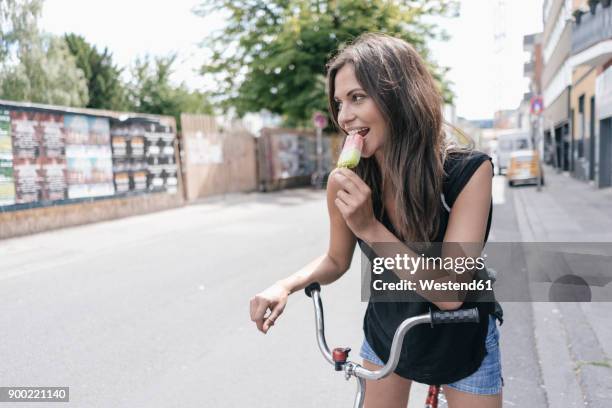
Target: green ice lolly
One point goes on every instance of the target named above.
(351, 152)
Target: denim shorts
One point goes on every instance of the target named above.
(487, 380)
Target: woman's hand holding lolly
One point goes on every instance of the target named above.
(354, 201)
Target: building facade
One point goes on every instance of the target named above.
(591, 95)
(531, 105)
(557, 82)
(577, 88)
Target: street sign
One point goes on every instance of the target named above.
(537, 105)
(320, 120)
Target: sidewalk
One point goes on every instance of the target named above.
(566, 210)
(574, 340)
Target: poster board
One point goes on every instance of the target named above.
(7, 184)
(88, 156)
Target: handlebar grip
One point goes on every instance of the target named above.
(455, 316)
(313, 286)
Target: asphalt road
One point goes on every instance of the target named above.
(152, 311)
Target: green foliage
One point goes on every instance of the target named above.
(152, 92)
(272, 53)
(46, 73)
(36, 67)
(70, 71)
(106, 91)
(18, 23)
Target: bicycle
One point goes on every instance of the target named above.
(339, 356)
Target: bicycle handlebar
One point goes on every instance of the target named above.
(312, 291)
(313, 286)
(433, 317)
(454, 316)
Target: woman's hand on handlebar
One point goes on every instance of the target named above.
(273, 298)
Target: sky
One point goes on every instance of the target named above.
(133, 28)
(487, 74)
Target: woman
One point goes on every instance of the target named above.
(409, 186)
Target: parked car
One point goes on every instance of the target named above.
(524, 168)
(508, 143)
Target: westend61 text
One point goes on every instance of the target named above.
(475, 285)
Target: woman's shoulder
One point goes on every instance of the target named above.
(459, 167)
(464, 157)
(458, 162)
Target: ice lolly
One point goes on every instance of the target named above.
(351, 152)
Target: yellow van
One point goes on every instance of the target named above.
(523, 168)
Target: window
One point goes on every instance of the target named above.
(522, 144)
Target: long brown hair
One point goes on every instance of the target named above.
(396, 77)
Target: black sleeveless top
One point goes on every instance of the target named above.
(445, 353)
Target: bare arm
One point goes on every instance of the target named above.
(325, 269)
(332, 265)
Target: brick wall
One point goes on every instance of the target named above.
(30, 221)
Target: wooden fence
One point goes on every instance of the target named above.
(216, 159)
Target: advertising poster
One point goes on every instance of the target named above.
(204, 150)
(52, 160)
(159, 155)
(138, 164)
(307, 153)
(287, 155)
(26, 152)
(7, 184)
(129, 165)
(293, 155)
(88, 157)
(121, 165)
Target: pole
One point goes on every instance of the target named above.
(539, 135)
(318, 179)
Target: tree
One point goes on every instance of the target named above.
(18, 23)
(151, 90)
(272, 53)
(46, 73)
(36, 67)
(106, 90)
